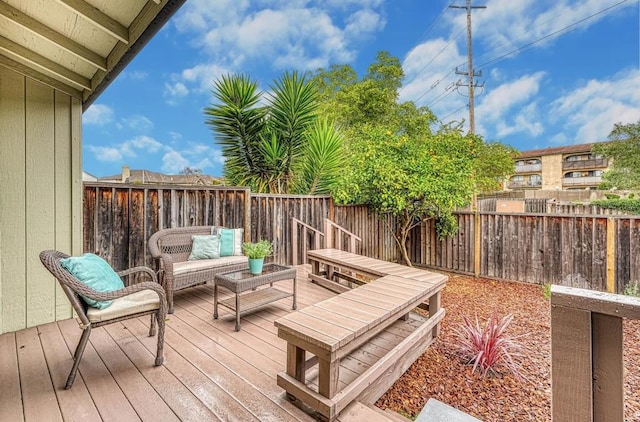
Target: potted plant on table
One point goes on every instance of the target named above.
(256, 252)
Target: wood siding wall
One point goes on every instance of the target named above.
(40, 190)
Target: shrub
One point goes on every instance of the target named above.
(628, 205)
(489, 347)
(632, 288)
(612, 196)
(546, 290)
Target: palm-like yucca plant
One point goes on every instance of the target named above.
(322, 159)
(489, 347)
(268, 147)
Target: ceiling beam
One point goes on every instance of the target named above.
(96, 17)
(33, 59)
(40, 29)
(38, 76)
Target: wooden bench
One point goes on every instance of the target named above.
(362, 340)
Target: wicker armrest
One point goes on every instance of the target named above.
(141, 269)
(134, 288)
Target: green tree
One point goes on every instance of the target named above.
(412, 178)
(624, 150)
(278, 147)
(396, 163)
(493, 166)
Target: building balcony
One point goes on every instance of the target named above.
(585, 164)
(528, 168)
(526, 184)
(582, 181)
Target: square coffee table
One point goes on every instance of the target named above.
(242, 281)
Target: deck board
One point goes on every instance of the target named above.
(210, 371)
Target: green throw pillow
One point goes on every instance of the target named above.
(96, 273)
(204, 247)
(230, 241)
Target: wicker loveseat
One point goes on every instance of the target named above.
(170, 249)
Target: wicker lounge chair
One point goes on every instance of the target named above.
(137, 299)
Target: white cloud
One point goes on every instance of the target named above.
(301, 34)
(197, 156)
(173, 162)
(506, 25)
(129, 149)
(137, 122)
(106, 154)
(591, 110)
(175, 92)
(98, 114)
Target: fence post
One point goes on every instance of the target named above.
(476, 237)
(328, 234)
(247, 215)
(611, 255)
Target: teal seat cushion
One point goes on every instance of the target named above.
(96, 273)
(204, 247)
(230, 241)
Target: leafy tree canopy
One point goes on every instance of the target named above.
(281, 146)
(624, 149)
(396, 162)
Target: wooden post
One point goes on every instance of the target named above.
(476, 237)
(571, 391)
(608, 388)
(328, 234)
(587, 353)
(611, 255)
(247, 215)
(294, 242)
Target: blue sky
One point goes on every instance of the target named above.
(555, 72)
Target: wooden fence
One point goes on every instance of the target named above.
(588, 251)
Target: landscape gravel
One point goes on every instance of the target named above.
(443, 374)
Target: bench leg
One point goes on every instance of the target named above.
(295, 362)
(328, 377)
(434, 306)
(295, 293)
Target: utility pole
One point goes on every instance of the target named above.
(470, 72)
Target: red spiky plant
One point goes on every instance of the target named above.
(489, 347)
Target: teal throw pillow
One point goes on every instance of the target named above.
(204, 247)
(231, 241)
(96, 273)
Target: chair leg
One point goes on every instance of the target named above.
(160, 352)
(77, 356)
(152, 328)
(170, 302)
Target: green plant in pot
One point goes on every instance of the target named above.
(256, 252)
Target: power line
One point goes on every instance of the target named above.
(453, 112)
(528, 46)
(424, 35)
(436, 56)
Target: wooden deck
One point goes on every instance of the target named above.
(210, 372)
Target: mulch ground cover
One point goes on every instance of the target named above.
(443, 374)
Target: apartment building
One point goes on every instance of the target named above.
(560, 168)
